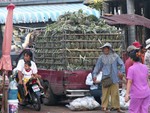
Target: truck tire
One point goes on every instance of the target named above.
(49, 98)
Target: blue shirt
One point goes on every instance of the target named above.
(117, 66)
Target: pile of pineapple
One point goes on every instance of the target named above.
(72, 43)
(79, 22)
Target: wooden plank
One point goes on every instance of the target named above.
(38, 47)
(79, 57)
(87, 50)
(49, 58)
(93, 41)
(92, 34)
(48, 52)
(49, 63)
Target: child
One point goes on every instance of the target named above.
(27, 72)
(95, 85)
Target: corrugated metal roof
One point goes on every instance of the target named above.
(127, 19)
(4, 3)
(42, 13)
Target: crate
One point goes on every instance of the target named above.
(73, 51)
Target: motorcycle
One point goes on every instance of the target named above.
(34, 95)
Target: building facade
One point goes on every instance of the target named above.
(140, 7)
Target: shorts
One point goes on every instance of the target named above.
(25, 80)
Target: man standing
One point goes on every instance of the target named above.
(141, 53)
(110, 64)
(129, 62)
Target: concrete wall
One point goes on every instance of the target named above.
(147, 15)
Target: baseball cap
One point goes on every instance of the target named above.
(136, 44)
(131, 48)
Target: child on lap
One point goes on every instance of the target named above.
(28, 73)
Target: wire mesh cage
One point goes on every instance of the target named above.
(73, 51)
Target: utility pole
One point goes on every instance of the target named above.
(131, 29)
(147, 15)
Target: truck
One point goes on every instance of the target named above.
(66, 51)
(65, 60)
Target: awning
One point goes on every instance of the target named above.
(42, 13)
(127, 19)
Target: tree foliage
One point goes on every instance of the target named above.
(97, 4)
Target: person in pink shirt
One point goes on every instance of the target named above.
(138, 87)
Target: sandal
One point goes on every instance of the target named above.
(120, 111)
(105, 110)
(113, 109)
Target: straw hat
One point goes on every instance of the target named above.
(106, 45)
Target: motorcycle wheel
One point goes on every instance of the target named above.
(36, 102)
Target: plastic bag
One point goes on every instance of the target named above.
(123, 104)
(85, 103)
(99, 77)
(13, 85)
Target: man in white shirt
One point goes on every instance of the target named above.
(95, 86)
(20, 67)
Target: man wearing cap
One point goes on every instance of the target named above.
(147, 55)
(108, 62)
(141, 52)
(137, 44)
(129, 62)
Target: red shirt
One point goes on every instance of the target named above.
(128, 63)
(142, 58)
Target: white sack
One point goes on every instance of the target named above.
(85, 103)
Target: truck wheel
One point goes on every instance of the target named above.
(50, 98)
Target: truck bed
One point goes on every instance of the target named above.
(60, 81)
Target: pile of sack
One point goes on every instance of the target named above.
(89, 103)
(85, 103)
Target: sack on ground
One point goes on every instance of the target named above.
(81, 104)
(123, 105)
(106, 82)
